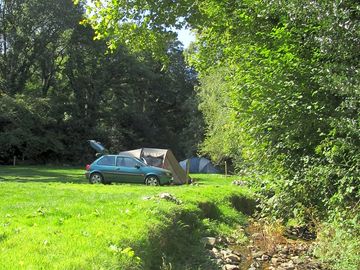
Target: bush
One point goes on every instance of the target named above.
(338, 243)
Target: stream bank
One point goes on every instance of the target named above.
(267, 248)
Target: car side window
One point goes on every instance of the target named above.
(107, 161)
(120, 161)
(129, 162)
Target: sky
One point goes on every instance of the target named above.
(186, 37)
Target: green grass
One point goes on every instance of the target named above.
(51, 218)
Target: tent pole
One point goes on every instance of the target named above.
(225, 168)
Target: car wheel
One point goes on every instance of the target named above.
(152, 180)
(96, 178)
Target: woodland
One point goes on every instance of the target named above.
(272, 87)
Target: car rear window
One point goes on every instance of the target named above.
(107, 160)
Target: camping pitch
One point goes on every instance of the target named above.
(162, 158)
(199, 165)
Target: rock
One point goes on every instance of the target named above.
(233, 258)
(231, 267)
(209, 241)
(230, 240)
(252, 247)
(257, 235)
(221, 240)
(274, 261)
(258, 254)
(255, 265)
(296, 259)
(169, 197)
(213, 253)
(239, 183)
(285, 250)
(288, 265)
(265, 257)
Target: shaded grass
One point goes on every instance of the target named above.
(50, 218)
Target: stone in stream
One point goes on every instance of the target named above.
(258, 254)
(274, 261)
(234, 258)
(209, 241)
(236, 252)
(257, 235)
(231, 267)
(288, 265)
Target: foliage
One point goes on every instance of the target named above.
(279, 93)
(55, 220)
(60, 88)
(342, 232)
(291, 97)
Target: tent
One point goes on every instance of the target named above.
(199, 165)
(162, 158)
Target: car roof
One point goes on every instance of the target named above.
(118, 156)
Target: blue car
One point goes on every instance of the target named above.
(116, 168)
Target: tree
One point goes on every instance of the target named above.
(287, 101)
(60, 88)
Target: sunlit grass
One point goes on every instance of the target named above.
(50, 218)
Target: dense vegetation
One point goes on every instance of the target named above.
(59, 88)
(279, 90)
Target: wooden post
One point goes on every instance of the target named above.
(225, 168)
(14, 161)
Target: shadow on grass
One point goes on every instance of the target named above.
(42, 175)
(176, 244)
(244, 205)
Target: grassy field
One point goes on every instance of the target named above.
(51, 218)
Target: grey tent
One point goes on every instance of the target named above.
(162, 158)
(199, 165)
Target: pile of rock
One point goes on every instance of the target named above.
(164, 196)
(224, 257)
(170, 197)
(239, 183)
(290, 256)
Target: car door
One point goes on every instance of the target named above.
(106, 165)
(129, 170)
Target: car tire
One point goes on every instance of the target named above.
(152, 180)
(96, 178)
